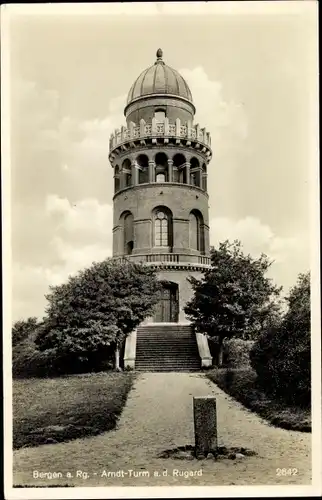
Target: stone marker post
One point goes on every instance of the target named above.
(205, 425)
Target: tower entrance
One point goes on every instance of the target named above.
(167, 309)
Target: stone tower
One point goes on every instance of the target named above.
(160, 161)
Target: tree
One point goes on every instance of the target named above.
(298, 315)
(234, 297)
(23, 328)
(96, 309)
(281, 356)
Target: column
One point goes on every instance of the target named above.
(187, 167)
(135, 173)
(151, 171)
(170, 170)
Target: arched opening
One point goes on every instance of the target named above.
(194, 172)
(143, 163)
(204, 177)
(159, 115)
(163, 227)
(127, 172)
(160, 177)
(167, 309)
(196, 231)
(128, 232)
(161, 167)
(116, 179)
(179, 170)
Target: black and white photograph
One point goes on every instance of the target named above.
(161, 249)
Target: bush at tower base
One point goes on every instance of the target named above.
(281, 356)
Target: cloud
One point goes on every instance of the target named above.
(81, 222)
(290, 254)
(55, 152)
(57, 234)
(81, 233)
(226, 119)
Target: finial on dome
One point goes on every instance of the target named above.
(159, 55)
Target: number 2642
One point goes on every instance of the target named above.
(286, 472)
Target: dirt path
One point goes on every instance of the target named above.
(158, 416)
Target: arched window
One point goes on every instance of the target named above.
(128, 179)
(160, 177)
(196, 231)
(128, 232)
(161, 167)
(193, 179)
(163, 228)
(143, 163)
(127, 172)
(159, 115)
(179, 170)
(195, 172)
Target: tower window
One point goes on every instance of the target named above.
(161, 230)
(128, 234)
(159, 115)
(160, 177)
(196, 230)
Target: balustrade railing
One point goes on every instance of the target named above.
(162, 257)
(167, 258)
(156, 129)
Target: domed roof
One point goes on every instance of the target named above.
(159, 79)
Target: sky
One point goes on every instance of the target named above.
(250, 71)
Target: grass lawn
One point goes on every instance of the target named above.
(241, 385)
(60, 409)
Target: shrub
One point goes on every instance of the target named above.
(242, 384)
(236, 353)
(23, 328)
(282, 355)
(28, 361)
(282, 363)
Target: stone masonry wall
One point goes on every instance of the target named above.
(185, 290)
(141, 200)
(145, 108)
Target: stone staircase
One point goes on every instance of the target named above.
(166, 348)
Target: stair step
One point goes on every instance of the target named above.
(141, 362)
(168, 367)
(166, 349)
(156, 355)
(168, 370)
